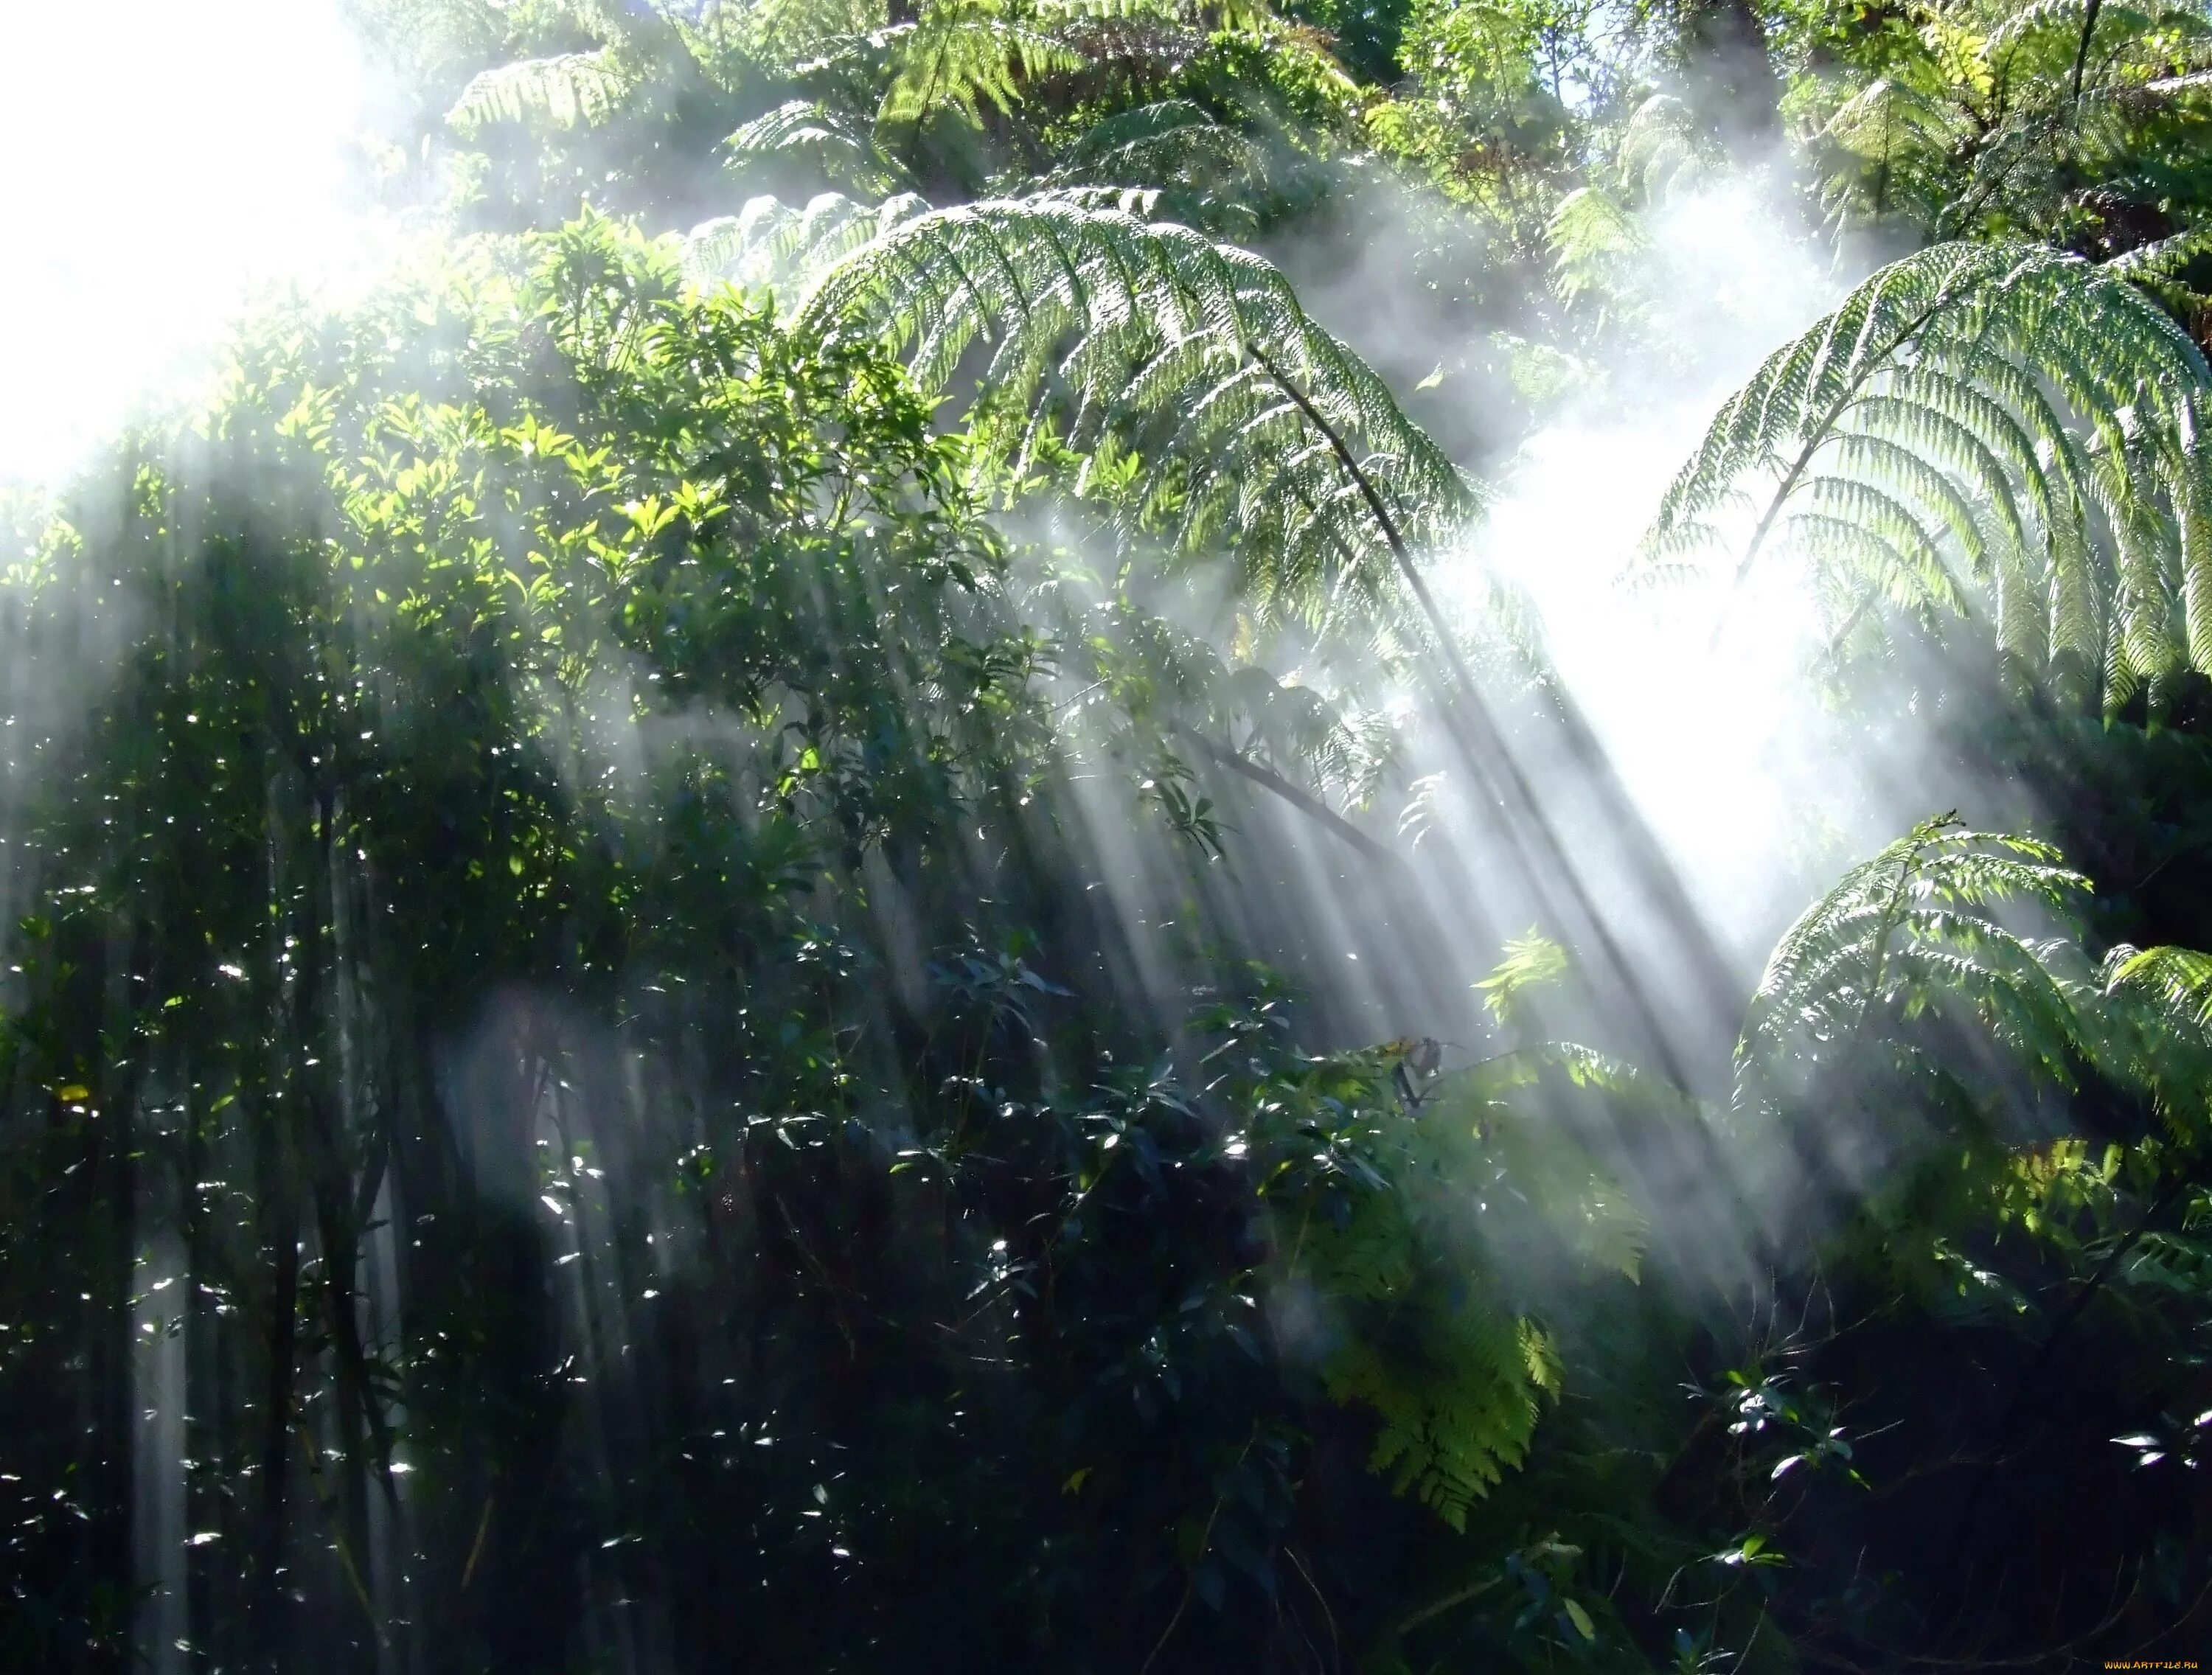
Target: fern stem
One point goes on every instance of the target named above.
(1816, 439)
(1893, 910)
(1435, 1608)
(2081, 53)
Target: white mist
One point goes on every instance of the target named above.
(148, 200)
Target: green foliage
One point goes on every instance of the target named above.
(1395, 1221)
(568, 90)
(1271, 438)
(1209, 175)
(1531, 961)
(2073, 121)
(605, 882)
(757, 245)
(2000, 431)
(962, 53)
(805, 129)
(1909, 932)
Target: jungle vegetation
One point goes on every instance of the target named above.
(674, 993)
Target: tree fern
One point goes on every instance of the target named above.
(1209, 174)
(2157, 1032)
(570, 90)
(2003, 428)
(1911, 932)
(1594, 240)
(761, 243)
(806, 131)
(638, 44)
(1920, 931)
(1395, 1218)
(2179, 979)
(1264, 434)
(2006, 116)
(963, 54)
(1457, 1390)
(1662, 149)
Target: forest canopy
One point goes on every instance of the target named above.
(821, 907)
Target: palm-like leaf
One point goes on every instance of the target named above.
(1914, 931)
(569, 89)
(1662, 148)
(766, 239)
(2001, 424)
(1266, 433)
(806, 130)
(1209, 174)
(2006, 111)
(964, 54)
(2157, 1032)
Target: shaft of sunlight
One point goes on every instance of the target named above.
(1720, 740)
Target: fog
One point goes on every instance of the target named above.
(150, 205)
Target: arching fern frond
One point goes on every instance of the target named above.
(2022, 430)
(1914, 931)
(1593, 240)
(570, 90)
(2157, 1030)
(806, 130)
(1886, 118)
(1262, 432)
(1376, 1208)
(1662, 148)
(1134, 133)
(963, 54)
(768, 240)
(2179, 979)
(1209, 173)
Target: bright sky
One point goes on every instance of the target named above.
(163, 158)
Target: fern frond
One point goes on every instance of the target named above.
(1591, 238)
(570, 90)
(1531, 961)
(2019, 423)
(1662, 148)
(2179, 979)
(2157, 1030)
(804, 130)
(1914, 931)
(1264, 432)
(767, 240)
(961, 54)
(1457, 1419)
(1886, 118)
(1208, 173)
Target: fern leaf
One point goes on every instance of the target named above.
(570, 90)
(806, 131)
(1198, 170)
(961, 54)
(768, 240)
(1910, 930)
(2016, 423)
(1278, 441)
